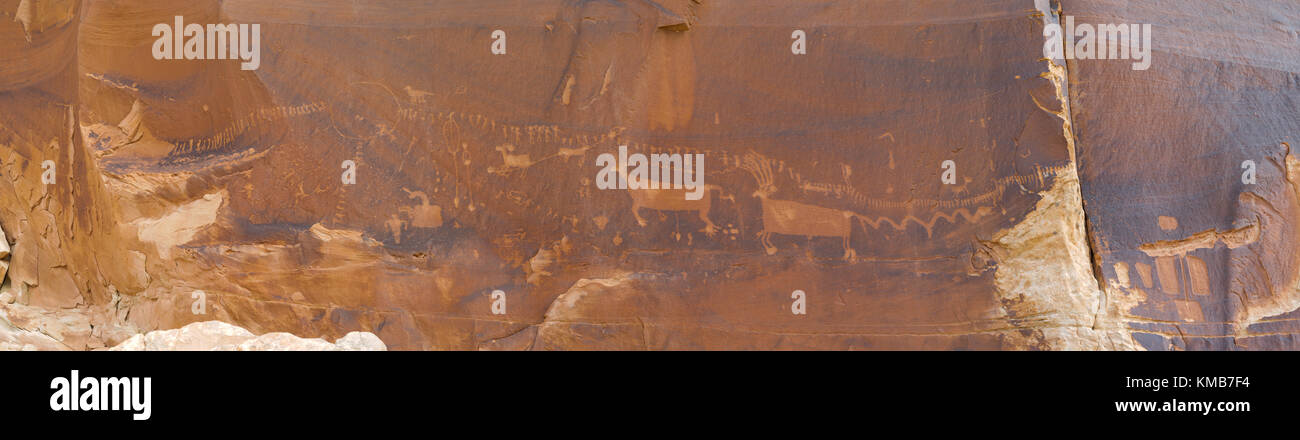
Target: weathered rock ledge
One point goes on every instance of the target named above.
(220, 336)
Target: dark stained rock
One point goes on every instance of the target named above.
(1189, 250)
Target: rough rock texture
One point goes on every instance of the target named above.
(1094, 207)
(4, 262)
(219, 336)
(1192, 257)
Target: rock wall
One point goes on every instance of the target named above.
(881, 174)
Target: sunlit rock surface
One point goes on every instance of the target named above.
(1093, 206)
(219, 336)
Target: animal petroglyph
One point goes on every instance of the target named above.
(423, 215)
(673, 200)
(417, 96)
(510, 160)
(664, 182)
(794, 218)
(518, 146)
(573, 143)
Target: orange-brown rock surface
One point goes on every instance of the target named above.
(920, 176)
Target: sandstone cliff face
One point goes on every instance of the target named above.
(1091, 206)
(1193, 256)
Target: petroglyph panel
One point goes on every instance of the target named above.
(822, 172)
(473, 164)
(448, 174)
(1165, 178)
